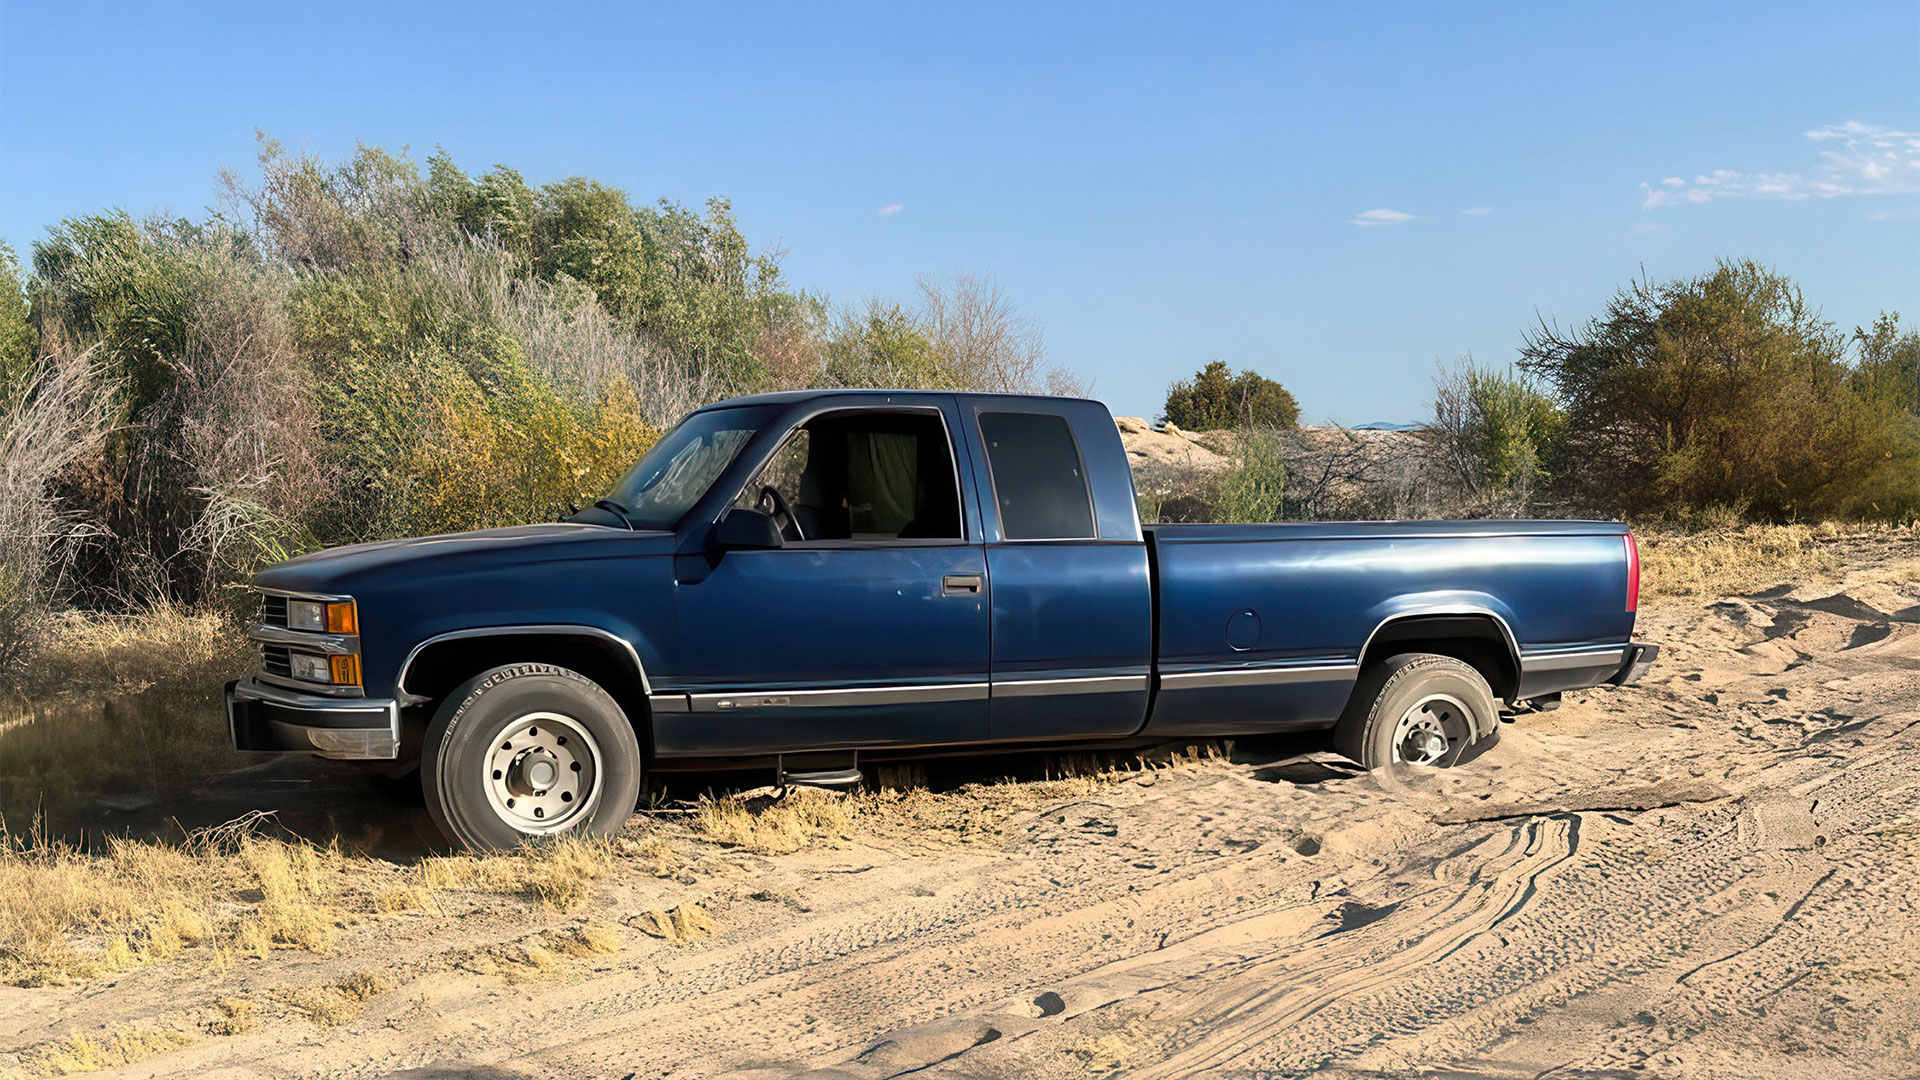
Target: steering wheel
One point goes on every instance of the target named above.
(775, 505)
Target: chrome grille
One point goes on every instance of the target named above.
(273, 609)
(273, 661)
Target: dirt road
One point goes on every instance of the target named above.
(1713, 874)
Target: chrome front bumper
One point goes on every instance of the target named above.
(272, 719)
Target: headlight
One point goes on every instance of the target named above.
(332, 670)
(310, 668)
(335, 618)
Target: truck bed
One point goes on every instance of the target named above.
(1240, 609)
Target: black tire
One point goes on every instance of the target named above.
(465, 790)
(1388, 692)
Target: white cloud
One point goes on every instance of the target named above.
(1477, 211)
(1855, 159)
(1381, 217)
(891, 209)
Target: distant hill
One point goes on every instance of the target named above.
(1383, 425)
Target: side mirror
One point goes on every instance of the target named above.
(746, 530)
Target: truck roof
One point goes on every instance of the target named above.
(787, 397)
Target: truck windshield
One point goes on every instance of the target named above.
(684, 464)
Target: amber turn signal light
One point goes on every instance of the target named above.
(346, 670)
(343, 618)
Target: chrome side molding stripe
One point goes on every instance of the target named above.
(668, 703)
(838, 699)
(1266, 676)
(1096, 684)
(1569, 659)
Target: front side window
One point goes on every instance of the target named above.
(1038, 483)
(861, 476)
(685, 463)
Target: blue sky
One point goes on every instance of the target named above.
(1157, 185)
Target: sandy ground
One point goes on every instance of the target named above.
(1712, 874)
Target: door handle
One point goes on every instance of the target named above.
(960, 585)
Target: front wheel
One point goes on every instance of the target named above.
(1418, 710)
(527, 750)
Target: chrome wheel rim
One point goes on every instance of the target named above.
(543, 773)
(1429, 732)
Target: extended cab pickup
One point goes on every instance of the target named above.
(806, 581)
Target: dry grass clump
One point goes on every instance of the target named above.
(1726, 562)
(771, 825)
(558, 873)
(68, 915)
(93, 655)
(79, 1053)
(236, 1017)
(655, 853)
(335, 1004)
(774, 826)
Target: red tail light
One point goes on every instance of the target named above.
(1633, 574)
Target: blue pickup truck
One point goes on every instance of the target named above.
(812, 581)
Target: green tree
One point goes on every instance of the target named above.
(16, 331)
(1728, 389)
(1890, 361)
(1217, 397)
(1252, 488)
(1494, 431)
(883, 346)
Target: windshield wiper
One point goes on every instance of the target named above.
(616, 510)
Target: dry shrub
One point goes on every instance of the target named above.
(558, 873)
(247, 428)
(986, 342)
(86, 1053)
(56, 422)
(1725, 562)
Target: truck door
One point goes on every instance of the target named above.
(1072, 600)
(868, 628)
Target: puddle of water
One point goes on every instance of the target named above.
(158, 765)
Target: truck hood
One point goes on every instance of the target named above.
(338, 570)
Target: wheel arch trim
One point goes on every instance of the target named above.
(522, 630)
(1447, 610)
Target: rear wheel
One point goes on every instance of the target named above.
(527, 750)
(1416, 710)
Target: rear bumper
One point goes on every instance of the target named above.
(273, 719)
(1640, 657)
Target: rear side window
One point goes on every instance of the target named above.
(1038, 482)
